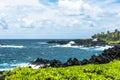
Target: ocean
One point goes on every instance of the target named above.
(15, 52)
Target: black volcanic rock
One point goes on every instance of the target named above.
(58, 42)
(83, 62)
(55, 63)
(106, 56)
(71, 62)
(78, 42)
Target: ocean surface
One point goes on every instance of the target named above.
(15, 53)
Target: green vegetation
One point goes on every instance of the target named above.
(109, 37)
(109, 71)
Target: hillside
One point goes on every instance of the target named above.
(109, 37)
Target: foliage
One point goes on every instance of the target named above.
(109, 37)
(107, 71)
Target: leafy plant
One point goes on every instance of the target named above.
(109, 71)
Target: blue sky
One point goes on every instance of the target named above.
(58, 19)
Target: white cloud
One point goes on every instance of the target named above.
(70, 4)
(65, 18)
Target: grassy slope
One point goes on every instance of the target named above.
(111, 41)
(85, 72)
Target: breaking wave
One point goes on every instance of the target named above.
(99, 48)
(6, 66)
(11, 46)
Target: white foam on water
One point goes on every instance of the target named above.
(20, 64)
(42, 43)
(4, 64)
(69, 45)
(11, 46)
(37, 66)
(103, 47)
(34, 66)
(99, 48)
(12, 66)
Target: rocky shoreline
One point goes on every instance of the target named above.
(79, 42)
(106, 56)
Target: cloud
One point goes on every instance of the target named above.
(68, 18)
(3, 24)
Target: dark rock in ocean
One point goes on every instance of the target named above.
(58, 42)
(78, 42)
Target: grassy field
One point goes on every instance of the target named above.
(109, 71)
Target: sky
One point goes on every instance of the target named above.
(57, 19)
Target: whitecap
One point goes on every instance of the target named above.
(42, 43)
(20, 64)
(98, 48)
(8, 66)
(4, 64)
(69, 45)
(11, 46)
(101, 48)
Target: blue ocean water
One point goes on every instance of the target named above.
(15, 53)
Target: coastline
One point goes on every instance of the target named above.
(40, 62)
(106, 57)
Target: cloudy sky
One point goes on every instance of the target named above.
(48, 19)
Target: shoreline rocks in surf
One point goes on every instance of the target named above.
(106, 56)
(79, 42)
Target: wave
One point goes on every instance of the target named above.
(6, 66)
(68, 45)
(11, 46)
(98, 48)
(43, 43)
(103, 47)
(20, 64)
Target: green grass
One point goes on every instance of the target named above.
(107, 71)
(111, 41)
